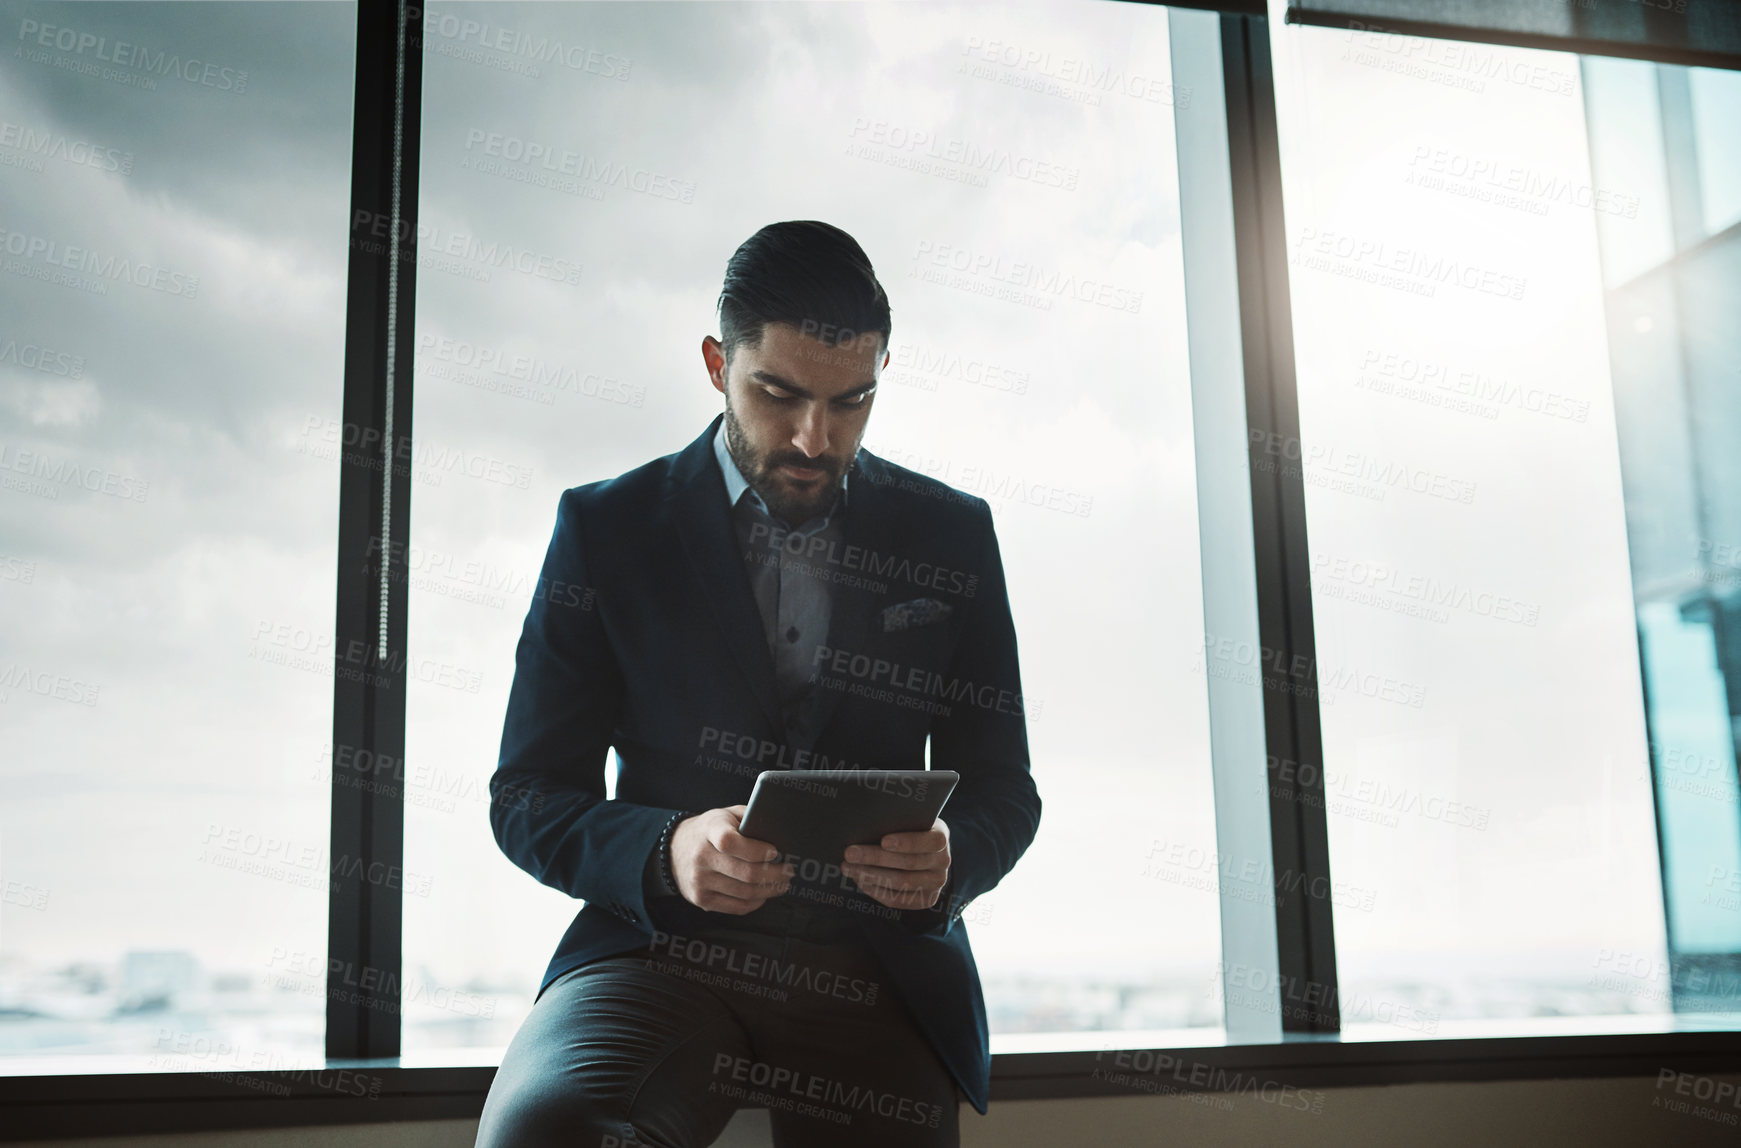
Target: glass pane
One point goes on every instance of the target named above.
(176, 183)
(1673, 343)
(1468, 531)
(1021, 209)
(1716, 99)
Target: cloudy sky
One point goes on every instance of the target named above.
(578, 207)
(824, 112)
(176, 206)
(198, 607)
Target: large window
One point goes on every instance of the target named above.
(1026, 228)
(174, 187)
(1500, 519)
(1501, 744)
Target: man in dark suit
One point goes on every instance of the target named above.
(769, 597)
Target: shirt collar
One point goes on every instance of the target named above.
(736, 483)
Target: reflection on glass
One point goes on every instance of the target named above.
(1674, 344)
(174, 185)
(586, 172)
(1468, 529)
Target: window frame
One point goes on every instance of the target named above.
(363, 1036)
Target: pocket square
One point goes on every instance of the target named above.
(918, 612)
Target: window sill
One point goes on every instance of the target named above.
(65, 1097)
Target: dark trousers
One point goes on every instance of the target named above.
(658, 1047)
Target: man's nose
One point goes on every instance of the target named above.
(811, 434)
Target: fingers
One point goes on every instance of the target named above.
(761, 873)
(898, 858)
(887, 887)
(901, 880)
(714, 881)
(925, 841)
(721, 870)
(896, 899)
(903, 870)
(729, 841)
(745, 862)
(717, 891)
(921, 841)
(717, 902)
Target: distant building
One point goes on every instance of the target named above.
(153, 980)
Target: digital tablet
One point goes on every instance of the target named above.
(819, 812)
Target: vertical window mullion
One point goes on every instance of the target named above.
(364, 943)
(1220, 430)
(1305, 932)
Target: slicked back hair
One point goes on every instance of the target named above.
(809, 274)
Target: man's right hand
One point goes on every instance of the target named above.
(719, 869)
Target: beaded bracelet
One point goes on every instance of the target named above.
(668, 882)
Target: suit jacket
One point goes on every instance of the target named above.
(643, 634)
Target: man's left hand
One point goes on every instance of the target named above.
(904, 871)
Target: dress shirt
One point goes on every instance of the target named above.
(793, 593)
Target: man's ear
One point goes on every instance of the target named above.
(711, 350)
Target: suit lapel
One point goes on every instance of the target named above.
(710, 542)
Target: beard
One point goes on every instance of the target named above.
(761, 471)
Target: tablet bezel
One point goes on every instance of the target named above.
(788, 780)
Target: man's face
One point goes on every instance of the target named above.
(795, 412)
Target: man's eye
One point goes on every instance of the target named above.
(780, 398)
